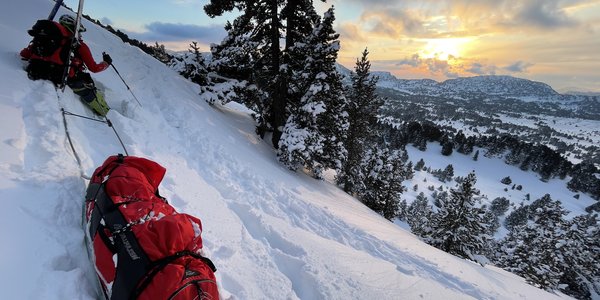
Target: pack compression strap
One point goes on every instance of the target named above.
(160, 264)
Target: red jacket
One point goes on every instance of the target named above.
(82, 57)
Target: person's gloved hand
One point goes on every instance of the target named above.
(106, 58)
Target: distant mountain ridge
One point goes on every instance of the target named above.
(493, 85)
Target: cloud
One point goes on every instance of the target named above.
(394, 23)
(456, 66)
(434, 65)
(464, 18)
(544, 14)
(413, 61)
(480, 68)
(171, 32)
(518, 67)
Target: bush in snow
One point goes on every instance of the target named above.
(506, 180)
(500, 206)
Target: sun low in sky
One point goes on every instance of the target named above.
(444, 48)
(553, 41)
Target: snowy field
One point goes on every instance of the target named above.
(272, 234)
(489, 172)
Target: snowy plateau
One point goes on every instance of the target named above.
(272, 233)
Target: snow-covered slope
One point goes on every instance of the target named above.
(272, 234)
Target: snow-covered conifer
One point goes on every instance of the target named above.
(363, 106)
(384, 173)
(319, 121)
(419, 215)
(581, 265)
(459, 226)
(419, 165)
(534, 250)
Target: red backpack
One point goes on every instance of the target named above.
(140, 246)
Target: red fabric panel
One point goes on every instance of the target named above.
(86, 55)
(104, 261)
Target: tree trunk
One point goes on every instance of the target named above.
(278, 90)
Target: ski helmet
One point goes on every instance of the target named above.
(69, 22)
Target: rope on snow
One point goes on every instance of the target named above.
(68, 134)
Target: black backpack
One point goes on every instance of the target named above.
(47, 38)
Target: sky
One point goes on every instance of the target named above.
(553, 41)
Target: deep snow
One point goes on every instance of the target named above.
(272, 234)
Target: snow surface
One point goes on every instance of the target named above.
(489, 173)
(272, 234)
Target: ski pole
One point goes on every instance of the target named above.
(128, 88)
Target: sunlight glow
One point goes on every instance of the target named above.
(444, 48)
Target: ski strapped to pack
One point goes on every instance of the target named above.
(73, 43)
(55, 9)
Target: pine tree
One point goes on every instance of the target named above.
(439, 197)
(585, 179)
(448, 173)
(160, 52)
(191, 65)
(533, 250)
(316, 128)
(402, 210)
(419, 215)
(254, 41)
(492, 220)
(385, 172)
(517, 217)
(581, 266)
(447, 148)
(459, 226)
(420, 165)
(363, 106)
(234, 71)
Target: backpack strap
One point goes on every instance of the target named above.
(160, 264)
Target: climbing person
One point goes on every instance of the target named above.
(48, 54)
